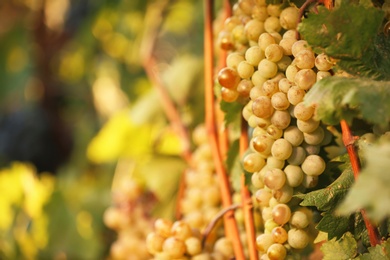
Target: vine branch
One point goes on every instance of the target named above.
(247, 204)
(230, 223)
(349, 143)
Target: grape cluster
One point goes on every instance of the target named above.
(130, 218)
(271, 70)
(199, 206)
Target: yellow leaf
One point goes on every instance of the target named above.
(168, 143)
(120, 137)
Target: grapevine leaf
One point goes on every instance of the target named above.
(345, 248)
(327, 198)
(335, 226)
(344, 32)
(339, 98)
(233, 164)
(375, 62)
(381, 251)
(232, 111)
(371, 189)
(232, 154)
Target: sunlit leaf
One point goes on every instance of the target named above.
(371, 190)
(338, 98)
(345, 248)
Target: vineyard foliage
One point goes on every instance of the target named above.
(120, 129)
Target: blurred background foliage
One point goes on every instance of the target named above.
(75, 102)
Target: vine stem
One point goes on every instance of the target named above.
(349, 141)
(247, 204)
(230, 223)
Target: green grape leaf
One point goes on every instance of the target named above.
(326, 199)
(232, 154)
(345, 248)
(233, 164)
(335, 226)
(344, 32)
(378, 252)
(371, 190)
(339, 98)
(350, 33)
(232, 111)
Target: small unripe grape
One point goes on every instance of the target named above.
(229, 95)
(299, 219)
(277, 252)
(256, 91)
(266, 213)
(322, 62)
(272, 162)
(260, 12)
(255, 121)
(286, 44)
(308, 126)
(314, 138)
(267, 69)
(258, 79)
(163, 227)
(270, 87)
(193, 245)
(291, 71)
(289, 18)
(154, 243)
(283, 63)
(281, 119)
(295, 95)
(270, 224)
(273, 52)
(293, 135)
(233, 59)
(281, 149)
(224, 246)
(245, 69)
(225, 40)
(281, 214)
(262, 197)
(274, 179)
(262, 143)
(254, 55)
(284, 194)
(253, 29)
(323, 74)
(311, 149)
(274, 132)
(279, 101)
(253, 162)
(228, 78)
(299, 46)
(265, 39)
(279, 235)
(257, 180)
(274, 9)
(298, 238)
(309, 181)
(305, 59)
(297, 156)
(262, 107)
(244, 87)
(238, 34)
(305, 78)
(294, 175)
(292, 33)
(284, 85)
(263, 242)
(303, 112)
(272, 24)
(313, 165)
(174, 247)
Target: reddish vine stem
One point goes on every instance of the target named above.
(247, 204)
(214, 222)
(349, 141)
(149, 64)
(230, 223)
